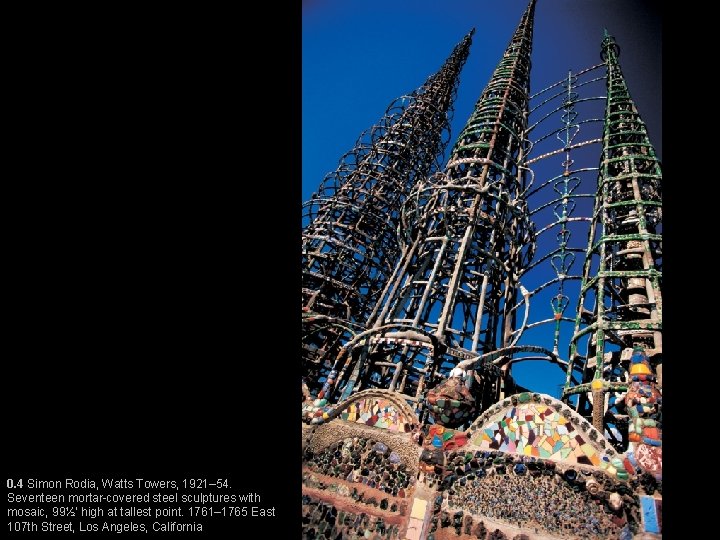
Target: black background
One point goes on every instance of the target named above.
(154, 205)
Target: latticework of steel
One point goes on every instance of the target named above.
(349, 239)
(565, 127)
(468, 236)
(620, 304)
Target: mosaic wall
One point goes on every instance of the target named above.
(535, 425)
(483, 489)
(379, 413)
(364, 461)
(644, 406)
(322, 520)
(435, 441)
(527, 466)
(316, 411)
(370, 409)
(450, 403)
(363, 498)
(361, 483)
(445, 438)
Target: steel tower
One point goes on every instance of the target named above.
(349, 240)
(617, 342)
(468, 234)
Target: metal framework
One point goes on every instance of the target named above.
(565, 132)
(467, 237)
(349, 239)
(620, 305)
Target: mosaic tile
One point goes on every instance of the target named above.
(587, 449)
(418, 509)
(450, 403)
(537, 430)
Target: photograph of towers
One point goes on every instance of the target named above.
(481, 270)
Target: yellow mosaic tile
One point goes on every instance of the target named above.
(418, 509)
(587, 449)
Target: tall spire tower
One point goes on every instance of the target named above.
(448, 296)
(617, 340)
(349, 243)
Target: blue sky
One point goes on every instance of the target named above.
(360, 55)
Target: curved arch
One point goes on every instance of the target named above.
(561, 364)
(393, 397)
(312, 318)
(501, 357)
(540, 426)
(409, 330)
(402, 421)
(325, 436)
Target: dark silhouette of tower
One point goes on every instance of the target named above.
(349, 241)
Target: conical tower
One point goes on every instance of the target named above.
(447, 298)
(349, 243)
(617, 340)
